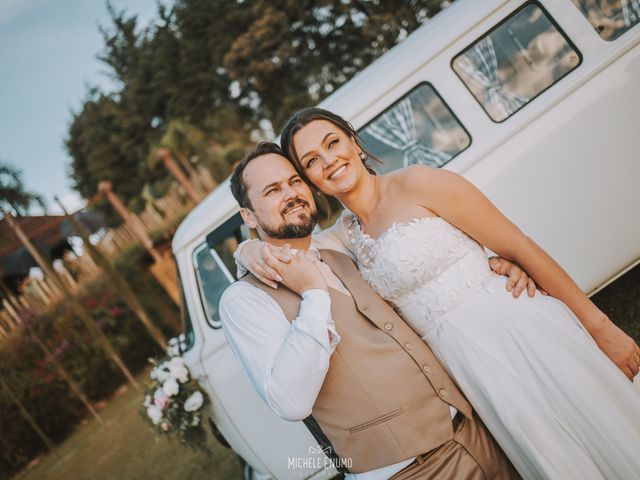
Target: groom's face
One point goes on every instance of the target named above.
(282, 203)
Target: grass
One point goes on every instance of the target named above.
(621, 302)
(125, 448)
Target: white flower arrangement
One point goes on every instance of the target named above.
(173, 400)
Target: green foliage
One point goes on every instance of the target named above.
(13, 195)
(97, 143)
(216, 70)
(296, 52)
(46, 396)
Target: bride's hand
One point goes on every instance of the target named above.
(262, 259)
(619, 347)
(518, 278)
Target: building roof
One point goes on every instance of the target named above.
(48, 232)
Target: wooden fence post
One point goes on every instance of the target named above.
(106, 189)
(75, 305)
(171, 165)
(75, 388)
(117, 279)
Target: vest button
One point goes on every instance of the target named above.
(442, 392)
(408, 346)
(426, 368)
(388, 326)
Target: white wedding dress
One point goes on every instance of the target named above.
(558, 407)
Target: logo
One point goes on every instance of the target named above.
(319, 450)
(319, 457)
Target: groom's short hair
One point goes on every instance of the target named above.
(238, 188)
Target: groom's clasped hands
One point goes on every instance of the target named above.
(297, 270)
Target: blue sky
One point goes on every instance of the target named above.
(48, 52)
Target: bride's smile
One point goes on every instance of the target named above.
(330, 158)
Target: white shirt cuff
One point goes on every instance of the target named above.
(315, 318)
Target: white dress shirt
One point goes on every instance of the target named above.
(286, 362)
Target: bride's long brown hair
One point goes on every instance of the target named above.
(305, 116)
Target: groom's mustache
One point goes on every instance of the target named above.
(294, 203)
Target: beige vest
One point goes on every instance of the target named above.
(385, 397)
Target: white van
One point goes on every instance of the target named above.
(534, 102)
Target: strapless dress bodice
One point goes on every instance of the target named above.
(424, 267)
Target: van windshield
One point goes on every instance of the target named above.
(215, 267)
(213, 278)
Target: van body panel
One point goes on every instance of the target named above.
(579, 173)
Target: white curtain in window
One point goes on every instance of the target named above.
(396, 128)
(480, 63)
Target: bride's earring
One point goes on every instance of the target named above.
(363, 156)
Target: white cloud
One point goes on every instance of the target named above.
(71, 201)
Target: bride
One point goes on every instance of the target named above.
(535, 369)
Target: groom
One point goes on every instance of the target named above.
(325, 349)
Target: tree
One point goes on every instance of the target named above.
(97, 144)
(206, 29)
(297, 52)
(13, 195)
(163, 73)
(225, 68)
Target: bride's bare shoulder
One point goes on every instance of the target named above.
(418, 176)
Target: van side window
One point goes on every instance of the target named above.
(516, 61)
(610, 18)
(417, 129)
(215, 266)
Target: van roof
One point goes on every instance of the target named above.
(349, 101)
(218, 206)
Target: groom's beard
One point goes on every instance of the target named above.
(286, 230)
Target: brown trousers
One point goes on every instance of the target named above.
(473, 454)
